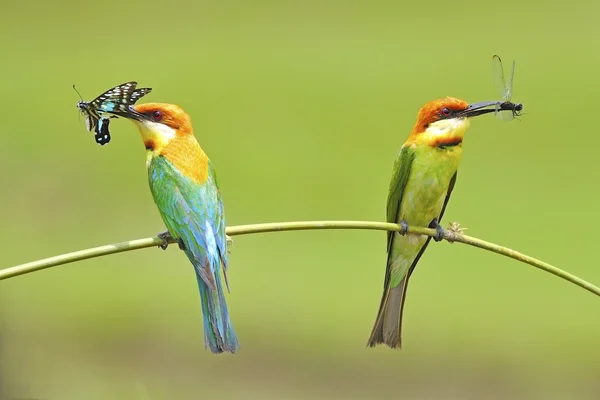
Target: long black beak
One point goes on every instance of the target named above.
(486, 107)
(130, 113)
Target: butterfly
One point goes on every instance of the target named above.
(114, 101)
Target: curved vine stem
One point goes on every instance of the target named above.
(451, 235)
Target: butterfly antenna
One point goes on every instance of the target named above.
(77, 91)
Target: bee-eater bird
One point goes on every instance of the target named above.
(184, 187)
(423, 177)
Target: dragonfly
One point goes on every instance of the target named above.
(505, 88)
(116, 101)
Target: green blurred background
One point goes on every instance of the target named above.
(302, 106)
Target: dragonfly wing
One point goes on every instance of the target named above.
(505, 115)
(503, 87)
(498, 73)
(509, 83)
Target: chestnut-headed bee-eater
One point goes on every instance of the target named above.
(423, 177)
(184, 187)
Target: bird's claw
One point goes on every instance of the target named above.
(440, 233)
(403, 227)
(453, 231)
(228, 242)
(165, 236)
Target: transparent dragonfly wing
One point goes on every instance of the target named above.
(498, 73)
(505, 115)
(503, 87)
(509, 83)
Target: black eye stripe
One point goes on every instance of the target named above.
(156, 115)
(446, 112)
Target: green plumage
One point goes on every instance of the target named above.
(193, 213)
(422, 181)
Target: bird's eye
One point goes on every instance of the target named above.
(445, 112)
(157, 115)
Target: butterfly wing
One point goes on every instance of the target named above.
(138, 93)
(91, 115)
(90, 122)
(119, 99)
(102, 135)
(116, 101)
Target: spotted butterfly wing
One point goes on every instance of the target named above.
(105, 102)
(137, 94)
(101, 133)
(115, 101)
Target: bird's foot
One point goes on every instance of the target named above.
(454, 231)
(166, 237)
(228, 242)
(403, 227)
(438, 229)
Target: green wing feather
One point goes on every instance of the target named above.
(387, 325)
(400, 174)
(194, 213)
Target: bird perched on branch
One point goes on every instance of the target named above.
(184, 187)
(423, 177)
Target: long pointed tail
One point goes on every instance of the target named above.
(218, 330)
(388, 325)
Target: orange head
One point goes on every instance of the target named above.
(443, 122)
(167, 114)
(167, 131)
(160, 123)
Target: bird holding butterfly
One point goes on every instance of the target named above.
(184, 187)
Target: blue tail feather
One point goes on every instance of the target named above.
(218, 330)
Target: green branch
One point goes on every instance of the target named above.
(451, 235)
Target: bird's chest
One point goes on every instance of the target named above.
(427, 188)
